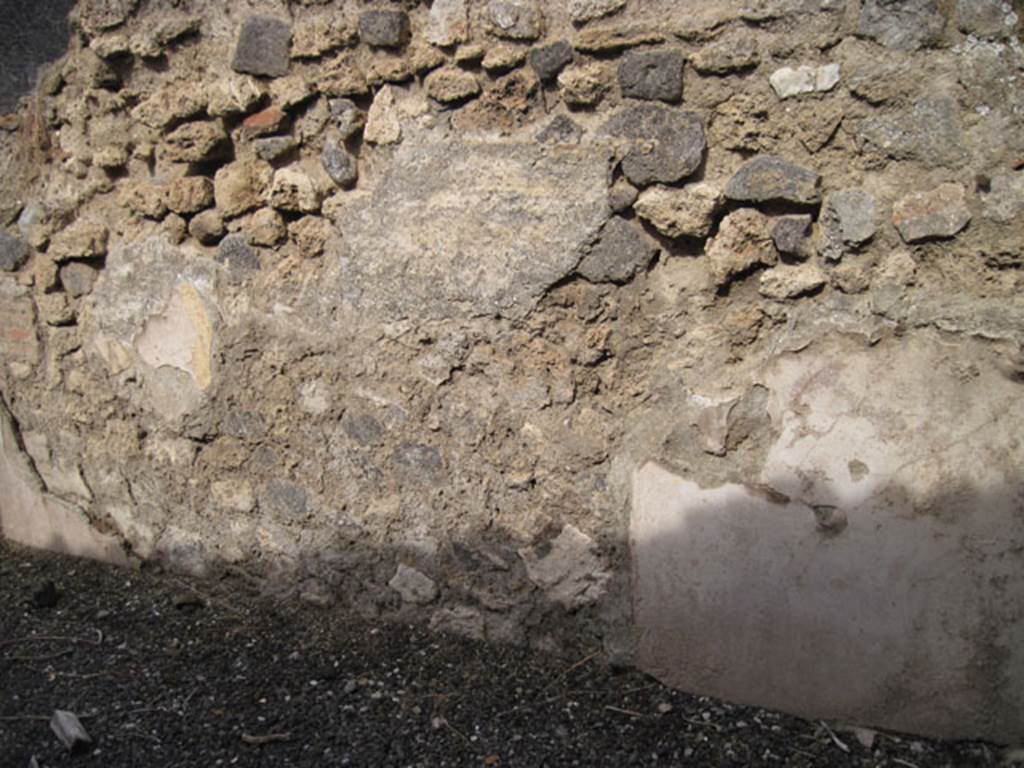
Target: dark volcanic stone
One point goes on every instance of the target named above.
(284, 499)
(652, 75)
(339, 164)
(929, 132)
(348, 118)
(622, 250)
(548, 60)
(561, 130)
(78, 278)
(418, 463)
(385, 29)
(236, 253)
(262, 47)
(767, 178)
(14, 252)
(668, 144)
(905, 25)
(791, 234)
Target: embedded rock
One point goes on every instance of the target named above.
(189, 195)
(450, 84)
(207, 226)
(384, 29)
(382, 123)
(95, 16)
(515, 19)
(447, 23)
(273, 148)
(499, 58)
(263, 46)
(789, 282)
(561, 130)
(767, 178)
(293, 189)
(339, 164)
(170, 104)
(676, 212)
(77, 277)
(241, 186)
(986, 18)
(663, 145)
(791, 235)
(621, 196)
(743, 242)
(238, 256)
(733, 54)
(348, 118)
(194, 143)
(265, 122)
(1004, 200)
(14, 252)
(584, 85)
(582, 11)
(938, 213)
(266, 227)
(849, 217)
(317, 34)
(548, 60)
(929, 132)
(285, 499)
(655, 75)
(85, 239)
(413, 586)
(615, 37)
(787, 82)
(621, 251)
(232, 95)
(905, 25)
(570, 571)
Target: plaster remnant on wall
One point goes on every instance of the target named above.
(180, 337)
(842, 592)
(534, 211)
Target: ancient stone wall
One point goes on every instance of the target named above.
(689, 330)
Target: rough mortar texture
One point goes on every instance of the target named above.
(688, 330)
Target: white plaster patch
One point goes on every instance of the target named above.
(874, 565)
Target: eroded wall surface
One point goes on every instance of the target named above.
(689, 329)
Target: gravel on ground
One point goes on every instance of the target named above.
(166, 671)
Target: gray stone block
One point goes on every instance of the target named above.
(263, 46)
(652, 75)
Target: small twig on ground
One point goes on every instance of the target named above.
(55, 639)
(905, 762)
(267, 738)
(838, 742)
(45, 657)
(47, 718)
(702, 723)
(141, 735)
(457, 732)
(621, 711)
(573, 667)
(630, 690)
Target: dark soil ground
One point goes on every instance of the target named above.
(168, 672)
